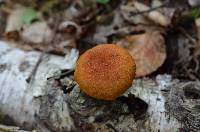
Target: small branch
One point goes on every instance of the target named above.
(28, 80)
(61, 75)
(197, 64)
(182, 30)
(149, 10)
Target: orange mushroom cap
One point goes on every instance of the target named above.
(105, 71)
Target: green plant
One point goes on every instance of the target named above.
(29, 15)
(102, 1)
(196, 13)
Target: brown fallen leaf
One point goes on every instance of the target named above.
(155, 15)
(14, 21)
(139, 13)
(37, 32)
(148, 50)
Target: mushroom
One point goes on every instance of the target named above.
(105, 71)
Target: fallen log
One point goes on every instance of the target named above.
(31, 101)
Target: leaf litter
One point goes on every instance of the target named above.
(161, 36)
(145, 28)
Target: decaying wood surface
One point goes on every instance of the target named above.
(32, 102)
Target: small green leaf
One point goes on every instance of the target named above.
(102, 1)
(196, 13)
(29, 15)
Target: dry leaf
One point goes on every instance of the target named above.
(102, 31)
(148, 50)
(38, 32)
(155, 15)
(139, 13)
(19, 17)
(194, 3)
(70, 28)
(14, 21)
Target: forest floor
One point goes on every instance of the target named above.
(163, 36)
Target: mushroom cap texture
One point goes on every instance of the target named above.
(105, 71)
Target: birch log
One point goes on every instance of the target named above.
(151, 104)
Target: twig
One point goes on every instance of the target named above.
(182, 30)
(62, 74)
(197, 64)
(149, 10)
(35, 69)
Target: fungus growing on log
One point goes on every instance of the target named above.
(105, 71)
